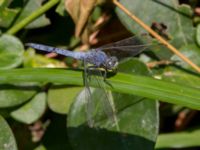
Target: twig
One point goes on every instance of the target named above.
(158, 37)
(157, 63)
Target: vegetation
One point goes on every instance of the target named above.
(155, 95)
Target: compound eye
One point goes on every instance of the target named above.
(112, 63)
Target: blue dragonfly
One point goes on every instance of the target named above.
(105, 57)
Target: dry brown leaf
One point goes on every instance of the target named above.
(80, 11)
(72, 6)
(85, 35)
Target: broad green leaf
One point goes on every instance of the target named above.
(61, 97)
(31, 111)
(134, 115)
(179, 140)
(140, 106)
(190, 51)
(7, 15)
(7, 139)
(133, 66)
(12, 95)
(137, 127)
(177, 18)
(11, 52)
(30, 7)
(128, 136)
(124, 83)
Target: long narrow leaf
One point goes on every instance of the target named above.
(178, 140)
(124, 83)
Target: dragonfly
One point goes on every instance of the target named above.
(106, 57)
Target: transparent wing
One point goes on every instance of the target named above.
(131, 41)
(100, 105)
(89, 107)
(106, 99)
(128, 47)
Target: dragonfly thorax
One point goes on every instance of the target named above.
(100, 59)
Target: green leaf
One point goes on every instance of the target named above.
(134, 115)
(180, 76)
(178, 19)
(179, 140)
(190, 51)
(137, 126)
(128, 136)
(61, 97)
(198, 34)
(123, 83)
(133, 66)
(61, 8)
(7, 15)
(11, 52)
(31, 111)
(7, 140)
(30, 7)
(12, 95)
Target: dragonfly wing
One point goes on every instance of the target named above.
(89, 107)
(125, 51)
(107, 100)
(134, 40)
(128, 47)
(101, 99)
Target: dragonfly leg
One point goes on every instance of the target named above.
(105, 75)
(106, 71)
(103, 72)
(89, 70)
(115, 71)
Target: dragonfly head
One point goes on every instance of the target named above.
(111, 63)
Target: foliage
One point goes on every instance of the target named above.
(42, 95)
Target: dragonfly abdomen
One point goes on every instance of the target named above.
(41, 47)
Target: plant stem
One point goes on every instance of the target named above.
(32, 17)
